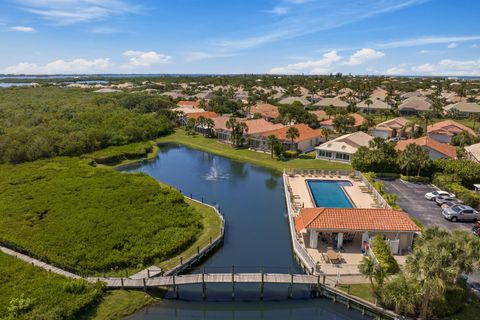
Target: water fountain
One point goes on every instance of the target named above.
(215, 174)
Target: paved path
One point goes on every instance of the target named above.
(39, 263)
(151, 271)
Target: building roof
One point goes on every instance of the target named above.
(474, 151)
(291, 100)
(359, 120)
(306, 133)
(427, 142)
(469, 107)
(348, 143)
(449, 128)
(377, 104)
(255, 126)
(190, 104)
(205, 114)
(392, 124)
(354, 219)
(321, 114)
(336, 102)
(188, 110)
(266, 110)
(379, 94)
(415, 103)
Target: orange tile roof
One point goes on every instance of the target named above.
(205, 114)
(321, 114)
(354, 219)
(185, 103)
(304, 130)
(359, 120)
(430, 143)
(449, 127)
(265, 110)
(261, 125)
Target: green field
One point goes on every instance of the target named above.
(245, 155)
(93, 219)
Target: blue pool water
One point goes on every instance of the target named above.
(329, 194)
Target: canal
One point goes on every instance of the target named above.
(252, 201)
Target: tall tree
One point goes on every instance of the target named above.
(272, 142)
(292, 134)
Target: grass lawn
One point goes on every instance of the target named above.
(118, 304)
(361, 290)
(261, 159)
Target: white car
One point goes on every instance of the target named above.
(434, 194)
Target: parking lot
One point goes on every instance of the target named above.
(411, 198)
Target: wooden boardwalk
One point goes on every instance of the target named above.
(38, 263)
(209, 278)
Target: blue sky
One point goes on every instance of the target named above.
(397, 37)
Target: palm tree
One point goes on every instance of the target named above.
(427, 117)
(368, 102)
(209, 124)
(201, 123)
(190, 125)
(326, 133)
(475, 118)
(400, 293)
(367, 268)
(272, 143)
(292, 134)
(330, 111)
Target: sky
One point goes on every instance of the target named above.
(376, 37)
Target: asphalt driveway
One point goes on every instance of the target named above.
(411, 198)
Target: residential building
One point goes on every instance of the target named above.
(414, 106)
(343, 147)
(390, 128)
(255, 126)
(463, 109)
(473, 152)
(320, 114)
(265, 110)
(331, 102)
(291, 100)
(436, 150)
(359, 120)
(375, 107)
(188, 104)
(307, 140)
(395, 226)
(444, 131)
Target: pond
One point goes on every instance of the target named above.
(257, 236)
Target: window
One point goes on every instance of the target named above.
(342, 156)
(324, 154)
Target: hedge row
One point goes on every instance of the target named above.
(116, 154)
(451, 183)
(384, 256)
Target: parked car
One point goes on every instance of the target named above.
(461, 213)
(449, 204)
(432, 195)
(442, 199)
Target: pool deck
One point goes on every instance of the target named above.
(301, 191)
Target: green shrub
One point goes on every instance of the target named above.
(451, 183)
(467, 171)
(116, 154)
(90, 219)
(19, 306)
(415, 179)
(290, 154)
(75, 286)
(453, 300)
(382, 252)
(308, 155)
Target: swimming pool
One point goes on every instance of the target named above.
(329, 193)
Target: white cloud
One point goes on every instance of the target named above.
(426, 41)
(279, 11)
(61, 66)
(23, 29)
(424, 51)
(320, 66)
(363, 55)
(449, 67)
(146, 58)
(64, 12)
(452, 45)
(396, 71)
